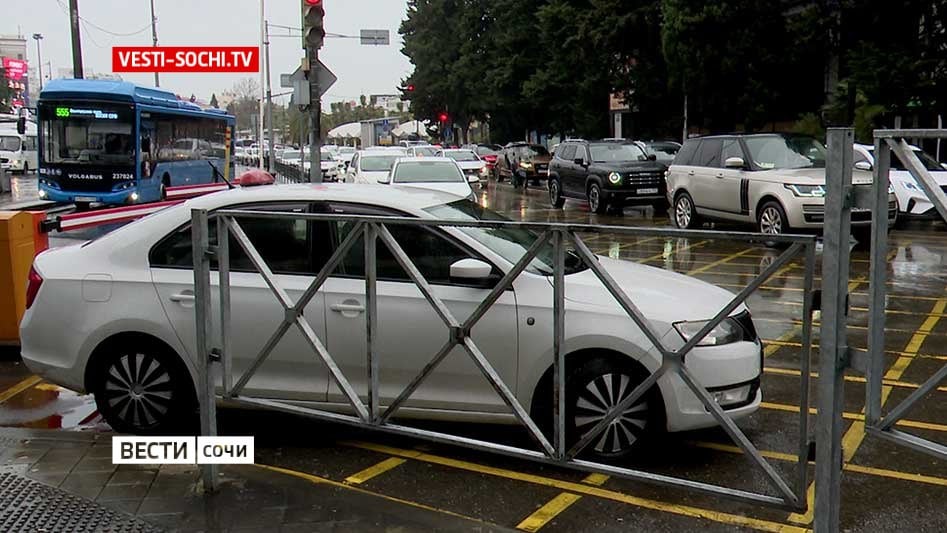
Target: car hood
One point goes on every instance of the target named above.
(458, 189)
(370, 176)
(661, 295)
(939, 177)
(808, 176)
(628, 166)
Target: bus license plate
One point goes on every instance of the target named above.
(85, 199)
(647, 191)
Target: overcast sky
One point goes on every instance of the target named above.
(360, 69)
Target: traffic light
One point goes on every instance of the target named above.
(443, 117)
(410, 87)
(313, 28)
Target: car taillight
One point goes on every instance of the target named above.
(33, 288)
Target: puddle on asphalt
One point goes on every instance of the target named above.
(46, 406)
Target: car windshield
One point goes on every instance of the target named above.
(425, 151)
(346, 150)
(326, 156)
(534, 150)
(291, 154)
(10, 143)
(782, 152)
(615, 152)
(378, 163)
(510, 243)
(462, 155)
(427, 172)
(929, 162)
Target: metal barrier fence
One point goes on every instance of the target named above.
(878, 423)
(790, 494)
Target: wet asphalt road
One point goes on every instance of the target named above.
(885, 487)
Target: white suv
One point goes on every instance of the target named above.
(774, 181)
(115, 316)
(912, 200)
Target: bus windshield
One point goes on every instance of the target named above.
(9, 143)
(88, 134)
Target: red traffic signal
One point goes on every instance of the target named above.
(313, 2)
(443, 117)
(410, 88)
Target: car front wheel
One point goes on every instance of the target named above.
(593, 389)
(555, 194)
(144, 390)
(597, 202)
(772, 219)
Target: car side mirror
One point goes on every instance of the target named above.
(652, 157)
(579, 161)
(470, 270)
(863, 165)
(472, 179)
(734, 162)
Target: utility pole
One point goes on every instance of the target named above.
(39, 58)
(154, 36)
(76, 42)
(262, 87)
(269, 103)
(313, 35)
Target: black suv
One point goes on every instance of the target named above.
(607, 173)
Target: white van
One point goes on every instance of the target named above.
(18, 152)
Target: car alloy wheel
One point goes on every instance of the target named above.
(139, 390)
(594, 401)
(596, 203)
(771, 220)
(555, 195)
(683, 211)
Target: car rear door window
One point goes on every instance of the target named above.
(686, 154)
(709, 153)
(431, 251)
(566, 152)
(285, 244)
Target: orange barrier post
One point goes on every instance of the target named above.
(17, 231)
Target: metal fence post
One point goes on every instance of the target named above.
(558, 331)
(833, 341)
(200, 248)
(879, 273)
(371, 318)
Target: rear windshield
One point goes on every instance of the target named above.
(378, 163)
(427, 172)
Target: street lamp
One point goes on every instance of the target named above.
(39, 58)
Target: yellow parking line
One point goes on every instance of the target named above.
(557, 505)
(547, 512)
(852, 379)
(858, 417)
(376, 470)
(719, 262)
(325, 481)
(19, 387)
(585, 490)
(665, 255)
(861, 469)
(815, 346)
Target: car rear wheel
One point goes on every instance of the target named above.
(594, 388)
(555, 194)
(597, 202)
(685, 216)
(144, 390)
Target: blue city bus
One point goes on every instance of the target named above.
(119, 143)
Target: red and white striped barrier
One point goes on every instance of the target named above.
(75, 221)
(190, 191)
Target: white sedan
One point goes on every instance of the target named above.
(469, 162)
(912, 200)
(435, 173)
(369, 166)
(115, 317)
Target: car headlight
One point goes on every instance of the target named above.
(484, 171)
(909, 185)
(526, 165)
(614, 178)
(807, 191)
(726, 332)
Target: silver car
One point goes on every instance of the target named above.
(773, 181)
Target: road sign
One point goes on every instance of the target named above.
(325, 77)
(375, 37)
(288, 80)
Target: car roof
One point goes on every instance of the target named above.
(405, 199)
(425, 160)
(746, 135)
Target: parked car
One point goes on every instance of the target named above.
(469, 162)
(345, 154)
(521, 162)
(368, 166)
(610, 173)
(332, 167)
(435, 173)
(128, 298)
(773, 181)
(912, 200)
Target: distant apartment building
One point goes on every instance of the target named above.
(16, 69)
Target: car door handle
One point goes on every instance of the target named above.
(690, 172)
(184, 296)
(347, 308)
(719, 175)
